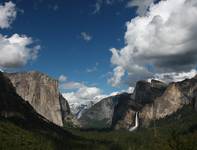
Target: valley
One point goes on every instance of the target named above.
(21, 127)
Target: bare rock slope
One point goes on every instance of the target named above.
(19, 111)
(41, 91)
(153, 100)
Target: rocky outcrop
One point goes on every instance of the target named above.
(20, 112)
(171, 101)
(153, 100)
(145, 92)
(99, 115)
(124, 112)
(174, 98)
(189, 89)
(115, 112)
(65, 109)
(41, 91)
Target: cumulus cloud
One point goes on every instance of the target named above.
(78, 93)
(81, 93)
(174, 76)
(71, 85)
(160, 41)
(142, 5)
(87, 37)
(16, 50)
(84, 96)
(62, 78)
(7, 14)
(118, 74)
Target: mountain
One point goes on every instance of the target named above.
(79, 108)
(102, 114)
(13, 107)
(176, 96)
(21, 127)
(146, 92)
(42, 92)
(153, 100)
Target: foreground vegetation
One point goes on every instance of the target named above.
(178, 132)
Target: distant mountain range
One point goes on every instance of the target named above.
(32, 111)
(153, 100)
(79, 108)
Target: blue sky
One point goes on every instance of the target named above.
(58, 31)
(99, 47)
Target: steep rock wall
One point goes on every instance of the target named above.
(41, 92)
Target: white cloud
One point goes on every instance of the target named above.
(174, 76)
(130, 90)
(118, 74)
(87, 37)
(93, 69)
(100, 3)
(79, 94)
(16, 50)
(7, 14)
(142, 5)
(90, 70)
(71, 85)
(62, 78)
(83, 94)
(98, 6)
(162, 39)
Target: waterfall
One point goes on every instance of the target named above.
(131, 129)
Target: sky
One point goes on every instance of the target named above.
(98, 48)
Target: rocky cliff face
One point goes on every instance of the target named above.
(100, 115)
(42, 93)
(165, 105)
(65, 109)
(20, 112)
(173, 99)
(124, 112)
(153, 100)
(145, 92)
(115, 112)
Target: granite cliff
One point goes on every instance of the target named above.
(42, 92)
(15, 109)
(153, 100)
(111, 112)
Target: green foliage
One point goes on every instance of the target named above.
(177, 132)
(13, 137)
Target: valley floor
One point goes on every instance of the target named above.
(178, 132)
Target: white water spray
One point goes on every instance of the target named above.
(131, 129)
